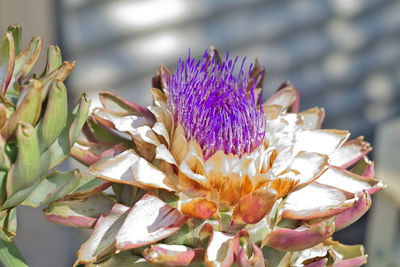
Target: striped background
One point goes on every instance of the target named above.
(342, 54)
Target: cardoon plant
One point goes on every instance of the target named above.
(210, 175)
(36, 134)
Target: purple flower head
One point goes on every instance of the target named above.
(221, 110)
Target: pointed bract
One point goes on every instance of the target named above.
(148, 221)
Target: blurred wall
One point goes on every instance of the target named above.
(42, 243)
(37, 18)
(342, 54)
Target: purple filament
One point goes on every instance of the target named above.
(217, 108)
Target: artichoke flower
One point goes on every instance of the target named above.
(36, 132)
(210, 175)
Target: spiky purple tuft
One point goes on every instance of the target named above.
(219, 109)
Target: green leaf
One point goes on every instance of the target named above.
(24, 63)
(104, 135)
(59, 74)
(3, 192)
(125, 258)
(79, 213)
(10, 255)
(11, 150)
(107, 241)
(55, 116)
(7, 61)
(187, 235)
(277, 258)
(55, 186)
(88, 185)
(27, 58)
(89, 153)
(80, 119)
(8, 224)
(127, 194)
(347, 251)
(3, 115)
(117, 104)
(61, 148)
(16, 32)
(19, 196)
(9, 107)
(102, 239)
(12, 221)
(5, 163)
(54, 59)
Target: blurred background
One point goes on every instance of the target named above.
(343, 55)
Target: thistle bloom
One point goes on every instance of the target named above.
(218, 109)
(211, 174)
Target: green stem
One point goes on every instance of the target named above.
(10, 255)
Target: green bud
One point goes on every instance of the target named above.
(25, 173)
(28, 109)
(55, 116)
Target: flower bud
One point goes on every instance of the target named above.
(25, 173)
(55, 116)
(28, 109)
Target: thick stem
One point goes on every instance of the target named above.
(10, 255)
